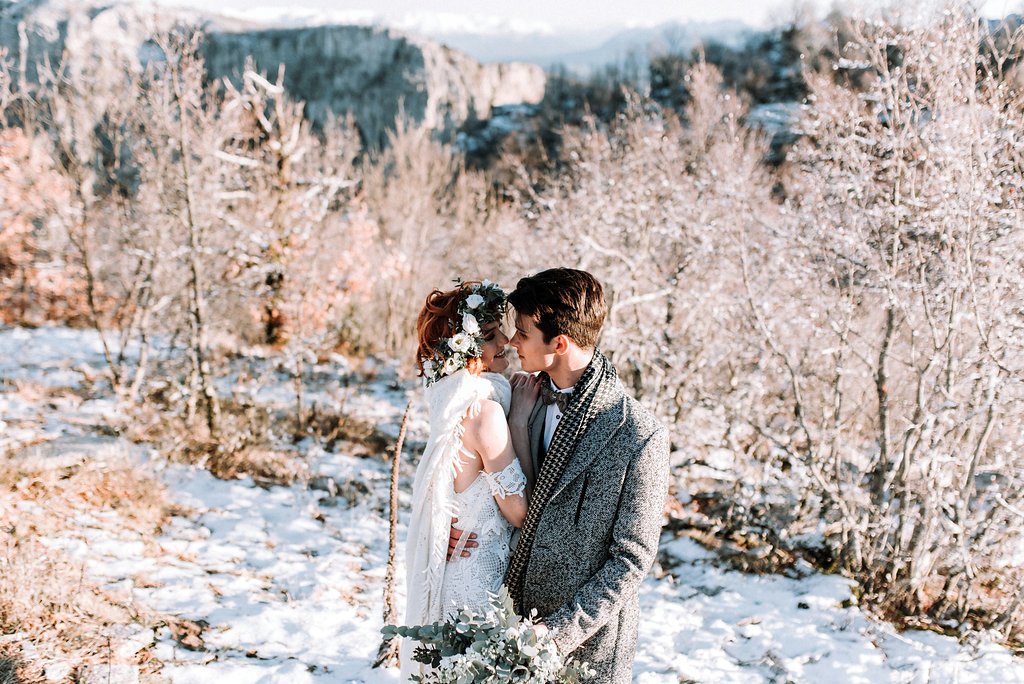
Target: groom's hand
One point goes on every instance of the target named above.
(455, 534)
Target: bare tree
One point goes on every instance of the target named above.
(655, 207)
(88, 124)
(292, 187)
(855, 349)
(6, 83)
(178, 157)
(433, 220)
(908, 233)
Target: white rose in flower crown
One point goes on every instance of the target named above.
(460, 342)
(470, 324)
(451, 364)
(474, 300)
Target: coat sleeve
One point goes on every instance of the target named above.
(635, 535)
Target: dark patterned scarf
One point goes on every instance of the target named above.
(597, 385)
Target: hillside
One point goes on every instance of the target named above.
(375, 74)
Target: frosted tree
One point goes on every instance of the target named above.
(83, 114)
(907, 237)
(180, 174)
(658, 207)
(291, 189)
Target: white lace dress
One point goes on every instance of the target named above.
(468, 580)
(437, 588)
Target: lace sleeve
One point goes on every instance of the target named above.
(511, 481)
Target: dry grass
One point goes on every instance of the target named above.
(48, 605)
(244, 446)
(112, 483)
(264, 465)
(333, 428)
(33, 394)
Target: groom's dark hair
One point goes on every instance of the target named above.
(563, 301)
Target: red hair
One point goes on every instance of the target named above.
(438, 319)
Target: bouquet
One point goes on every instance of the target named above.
(496, 646)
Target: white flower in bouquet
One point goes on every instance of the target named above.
(470, 325)
(495, 646)
(460, 342)
(474, 300)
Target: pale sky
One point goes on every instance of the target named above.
(557, 14)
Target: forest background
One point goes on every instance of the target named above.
(823, 301)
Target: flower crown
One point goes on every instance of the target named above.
(481, 304)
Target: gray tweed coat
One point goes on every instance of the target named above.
(598, 536)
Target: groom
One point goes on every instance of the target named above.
(592, 530)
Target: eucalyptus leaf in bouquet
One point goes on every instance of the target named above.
(497, 645)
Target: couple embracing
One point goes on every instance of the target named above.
(553, 483)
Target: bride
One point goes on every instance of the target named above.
(476, 468)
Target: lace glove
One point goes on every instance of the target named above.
(511, 481)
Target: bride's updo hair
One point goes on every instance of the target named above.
(439, 319)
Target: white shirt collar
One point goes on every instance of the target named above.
(567, 390)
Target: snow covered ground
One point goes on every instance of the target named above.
(288, 581)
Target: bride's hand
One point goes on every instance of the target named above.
(525, 390)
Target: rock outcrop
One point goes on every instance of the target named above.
(376, 74)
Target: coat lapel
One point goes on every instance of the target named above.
(535, 431)
(600, 431)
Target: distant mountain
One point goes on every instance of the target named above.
(543, 47)
(492, 39)
(582, 52)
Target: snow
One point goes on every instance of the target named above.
(287, 597)
(48, 355)
(715, 624)
(437, 24)
(290, 580)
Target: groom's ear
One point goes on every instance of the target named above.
(561, 344)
